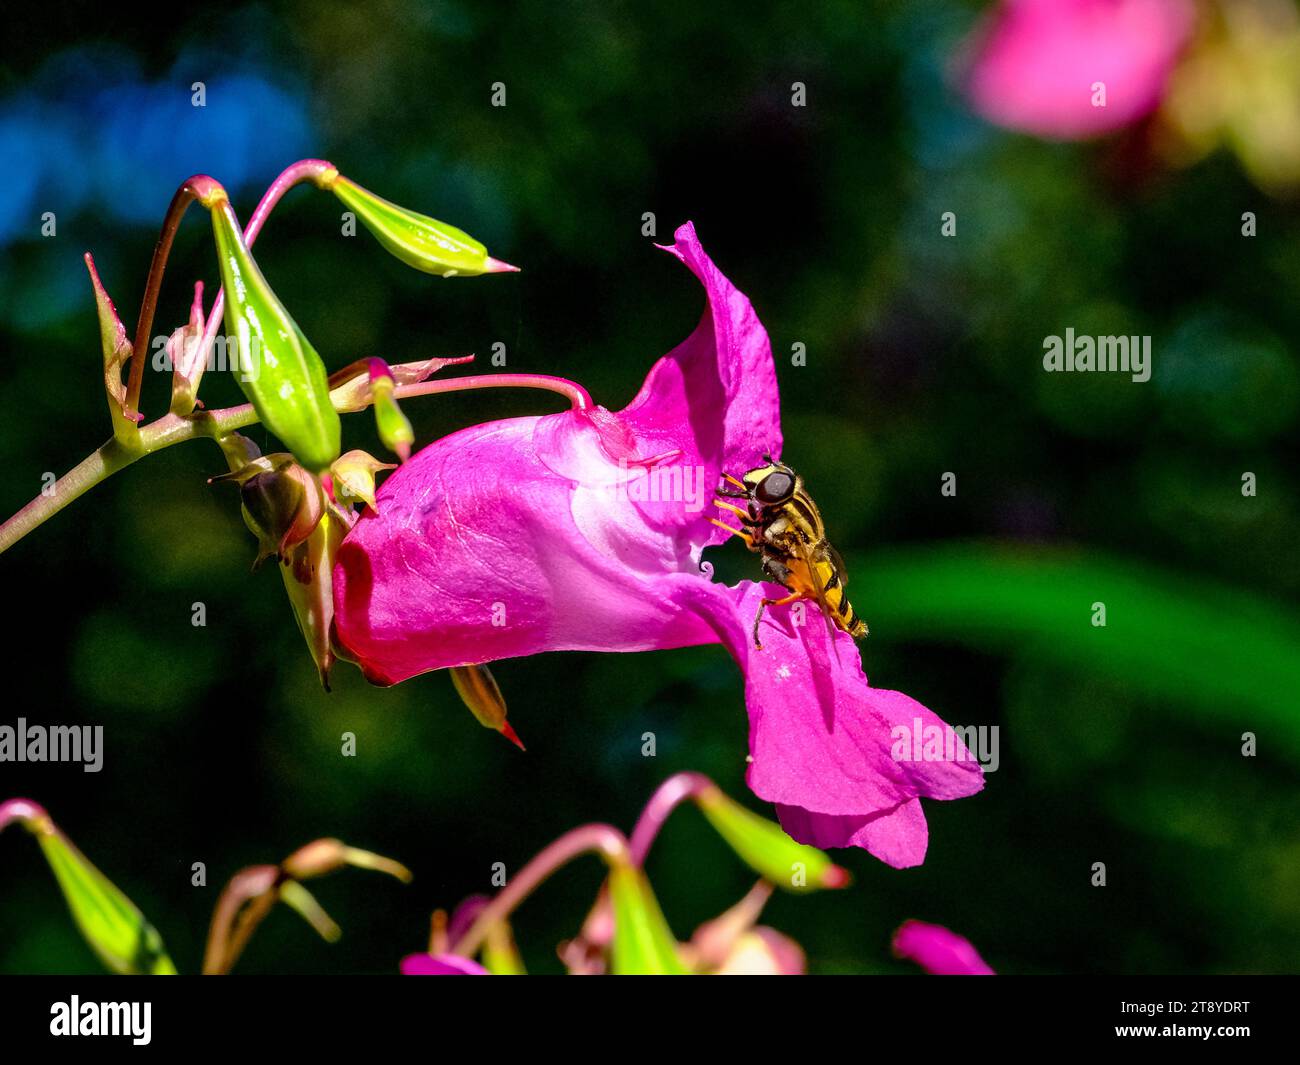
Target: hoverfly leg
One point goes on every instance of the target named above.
(734, 532)
(743, 515)
(763, 604)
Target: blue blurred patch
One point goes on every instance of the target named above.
(94, 132)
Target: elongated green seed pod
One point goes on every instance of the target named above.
(416, 239)
(277, 368)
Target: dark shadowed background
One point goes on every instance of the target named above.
(1119, 745)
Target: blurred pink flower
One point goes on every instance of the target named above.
(1036, 63)
(441, 965)
(938, 951)
(583, 531)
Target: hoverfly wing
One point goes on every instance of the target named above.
(836, 560)
(809, 556)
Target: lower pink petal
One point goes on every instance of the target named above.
(939, 951)
(897, 836)
(822, 740)
(441, 965)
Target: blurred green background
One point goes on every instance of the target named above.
(1119, 745)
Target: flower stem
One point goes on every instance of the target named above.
(94, 468)
(176, 428)
(22, 810)
(203, 188)
(602, 839)
(571, 390)
(199, 187)
(598, 928)
(674, 791)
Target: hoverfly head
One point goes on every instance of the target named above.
(775, 487)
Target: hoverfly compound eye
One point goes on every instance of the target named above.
(774, 488)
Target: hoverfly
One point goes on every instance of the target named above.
(784, 526)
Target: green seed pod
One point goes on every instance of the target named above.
(764, 845)
(277, 368)
(643, 943)
(118, 932)
(416, 239)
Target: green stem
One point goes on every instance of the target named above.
(80, 479)
(177, 428)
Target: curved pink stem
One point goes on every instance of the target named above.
(577, 396)
(674, 791)
(601, 839)
(598, 928)
(199, 187)
(20, 810)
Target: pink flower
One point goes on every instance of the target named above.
(1037, 63)
(584, 531)
(441, 965)
(938, 951)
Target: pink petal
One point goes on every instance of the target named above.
(897, 836)
(822, 740)
(1037, 61)
(938, 951)
(441, 965)
(719, 385)
(539, 534)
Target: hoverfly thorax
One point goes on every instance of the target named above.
(782, 524)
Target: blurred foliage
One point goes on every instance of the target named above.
(1119, 745)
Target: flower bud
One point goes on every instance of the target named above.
(394, 428)
(441, 965)
(329, 855)
(479, 691)
(416, 239)
(117, 350)
(282, 503)
(294, 520)
(734, 942)
(308, 573)
(939, 951)
(350, 387)
(117, 932)
(763, 951)
(354, 477)
(187, 359)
